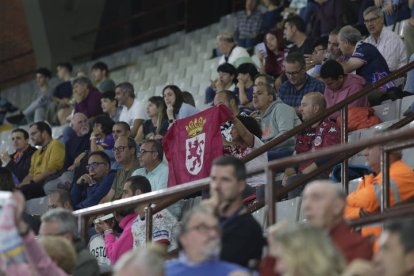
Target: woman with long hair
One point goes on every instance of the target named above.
(176, 107)
(271, 60)
(157, 124)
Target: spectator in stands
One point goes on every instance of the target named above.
(19, 161)
(245, 76)
(225, 81)
(388, 43)
(91, 187)
(133, 110)
(242, 239)
(323, 204)
(314, 61)
(157, 124)
(298, 83)
(120, 129)
(115, 248)
(320, 135)
(125, 154)
(366, 199)
(46, 161)
(87, 98)
(294, 30)
(188, 98)
(248, 23)
(140, 262)
(199, 239)
(101, 136)
(329, 15)
(364, 58)
(233, 54)
(339, 86)
(6, 107)
(77, 144)
(276, 118)
(273, 15)
(229, 99)
(333, 50)
(97, 246)
(59, 199)
(110, 105)
(164, 224)
(305, 250)
(176, 107)
(100, 74)
(61, 251)
(271, 60)
(61, 222)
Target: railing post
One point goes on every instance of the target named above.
(344, 139)
(82, 229)
(270, 195)
(148, 223)
(385, 174)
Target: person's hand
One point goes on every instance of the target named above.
(213, 84)
(5, 158)
(77, 162)
(219, 85)
(260, 56)
(359, 268)
(20, 205)
(107, 225)
(85, 179)
(378, 3)
(157, 137)
(170, 111)
(241, 85)
(388, 8)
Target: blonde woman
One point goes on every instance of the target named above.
(305, 250)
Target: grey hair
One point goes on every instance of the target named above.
(66, 220)
(226, 37)
(83, 81)
(143, 259)
(350, 34)
(127, 87)
(375, 10)
(200, 209)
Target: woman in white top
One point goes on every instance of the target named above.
(176, 107)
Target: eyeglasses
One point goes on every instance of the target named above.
(204, 228)
(141, 152)
(367, 21)
(119, 149)
(94, 165)
(293, 73)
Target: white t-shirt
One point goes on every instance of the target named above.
(137, 111)
(97, 249)
(163, 230)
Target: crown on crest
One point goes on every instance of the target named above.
(195, 126)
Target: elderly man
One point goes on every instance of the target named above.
(61, 222)
(77, 139)
(388, 43)
(199, 237)
(87, 98)
(232, 53)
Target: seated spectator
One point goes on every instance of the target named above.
(6, 180)
(46, 162)
(298, 83)
(100, 74)
(133, 110)
(78, 143)
(140, 262)
(294, 30)
(271, 61)
(339, 86)
(176, 107)
(59, 199)
(164, 224)
(61, 222)
(7, 107)
(121, 129)
(61, 251)
(157, 124)
(101, 136)
(125, 154)
(245, 76)
(365, 200)
(233, 54)
(322, 134)
(316, 59)
(248, 23)
(333, 50)
(242, 239)
(91, 187)
(329, 15)
(97, 246)
(305, 250)
(87, 98)
(19, 161)
(276, 118)
(115, 248)
(199, 237)
(110, 105)
(225, 81)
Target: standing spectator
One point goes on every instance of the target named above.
(271, 61)
(245, 76)
(100, 74)
(294, 30)
(298, 83)
(87, 98)
(248, 23)
(233, 54)
(19, 161)
(225, 81)
(176, 107)
(46, 162)
(110, 105)
(133, 110)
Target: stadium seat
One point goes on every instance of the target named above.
(388, 111)
(289, 209)
(405, 104)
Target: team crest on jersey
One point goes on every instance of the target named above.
(195, 145)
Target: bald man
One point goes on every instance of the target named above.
(232, 53)
(323, 205)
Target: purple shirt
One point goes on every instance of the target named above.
(91, 105)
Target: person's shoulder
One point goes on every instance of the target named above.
(230, 267)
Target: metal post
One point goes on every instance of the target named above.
(148, 223)
(385, 174)
(344, 140)
(270, 195)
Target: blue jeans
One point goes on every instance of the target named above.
(278, 153)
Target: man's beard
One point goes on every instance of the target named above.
(212, 249)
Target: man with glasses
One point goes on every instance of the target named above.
(91, 187)
(125, 154)
(298, 83)
(199, 238)
(61, 222)
(388, 43)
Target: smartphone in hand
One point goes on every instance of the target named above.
(261, 47)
